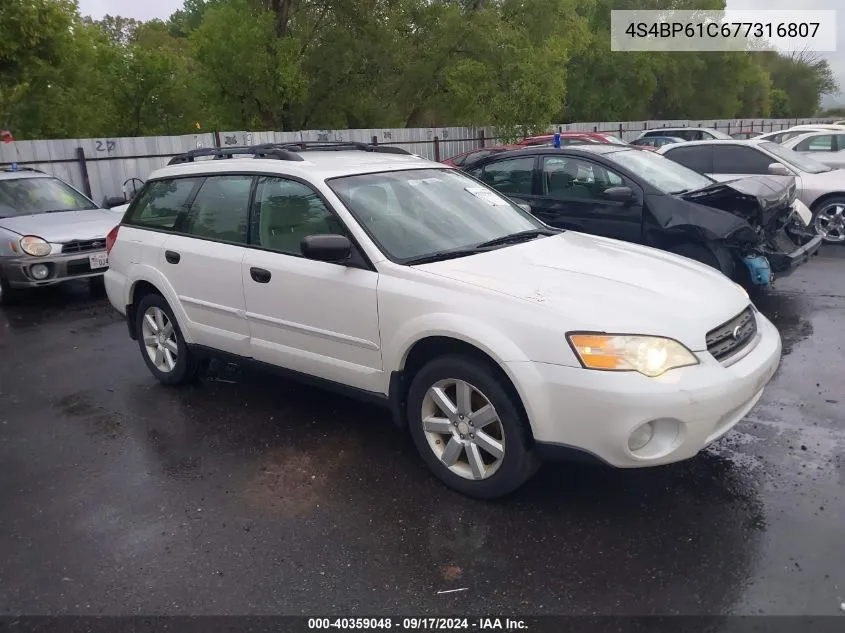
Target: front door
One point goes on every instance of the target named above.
(313, 317)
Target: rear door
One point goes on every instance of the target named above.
(202, 262)
(572, 196)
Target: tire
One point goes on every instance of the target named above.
(184, 366)
(822, 210)
(723, 263)
(498, 476)
(8, 295)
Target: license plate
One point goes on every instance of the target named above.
(98, 260)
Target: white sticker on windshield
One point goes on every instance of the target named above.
(487, 196)
(424, 181)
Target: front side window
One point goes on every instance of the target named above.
(220, 209)
(660, 172)
(162, 202)
(566, 177)
(286, 212)
(32, 196)
(511, 175)
(414, 213)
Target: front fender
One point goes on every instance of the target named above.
(484, 337)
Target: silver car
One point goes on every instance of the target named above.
(818, 186)
(49, 232)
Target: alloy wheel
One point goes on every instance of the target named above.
(463, 429)
(830, 223)
(160, 339)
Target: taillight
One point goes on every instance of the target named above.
(111, 238)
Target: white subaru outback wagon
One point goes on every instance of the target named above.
(498, 341)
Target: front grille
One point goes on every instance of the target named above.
(78, 267)
(733, 336)
(81, 246)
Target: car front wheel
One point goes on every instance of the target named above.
(469, 429)
(829, 220)
(162, 345)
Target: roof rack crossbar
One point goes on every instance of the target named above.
(281, 151)
(256, 151)
(338, 146)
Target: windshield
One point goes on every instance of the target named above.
(30, 196)
(414, 213)
(794, 159)
(660, 172)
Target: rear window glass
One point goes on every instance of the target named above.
(160, 203)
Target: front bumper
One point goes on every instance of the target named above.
(595, 412)
(783, 263)
(16, 270)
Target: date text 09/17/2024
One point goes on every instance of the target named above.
(418, 624)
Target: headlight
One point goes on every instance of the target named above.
(35, 246)
(742, 290)
(649, 355)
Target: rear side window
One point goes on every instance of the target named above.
(821, 143)
(511, 175)
(736, 159)
(698, 158)
(160, 203)
(220, 209)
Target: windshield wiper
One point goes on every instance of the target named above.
(440, 256)
(513, 238)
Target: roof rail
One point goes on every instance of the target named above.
(218, 153)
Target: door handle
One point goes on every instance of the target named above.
(260, 275)
(172, 257)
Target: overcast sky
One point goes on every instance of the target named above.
(148, 9)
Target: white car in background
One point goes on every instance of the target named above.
(820, 187)
(686, 133)
(796, 130)
(826, 146)
(497, 340)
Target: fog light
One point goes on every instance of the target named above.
(39, 271)
(640, 437)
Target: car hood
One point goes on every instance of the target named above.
(763, 201)
(600, 284)
(64, 226)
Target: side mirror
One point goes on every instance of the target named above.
(619, 194)
(326, 248)
(113, 201)
(779, 169)
(523, 205)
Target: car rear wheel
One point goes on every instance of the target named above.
(162, 345)
(829, 220)
(469, 429)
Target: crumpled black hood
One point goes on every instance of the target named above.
(765, 201)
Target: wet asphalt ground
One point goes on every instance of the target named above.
(248, 494)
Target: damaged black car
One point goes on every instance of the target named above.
(752, 229)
